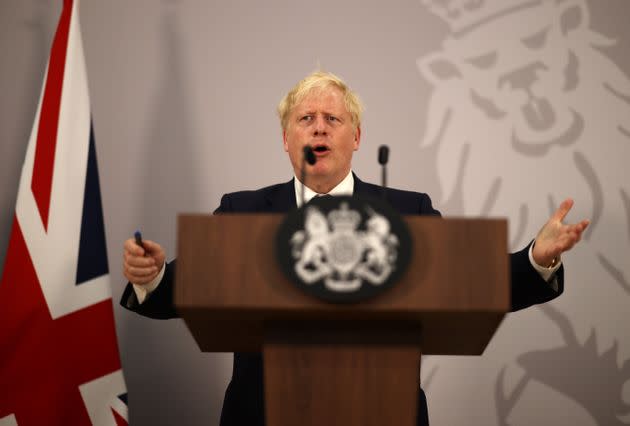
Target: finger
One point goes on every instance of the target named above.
(578, 228)
(133, 260)
(562, 211)
(133, 248)
(559, 248)
(152, 247)
(559, 245)
(581, 226)
(138, 280)
(578, 231)
(139, 261)
(141, 273)
(570, 234)
(568, 241)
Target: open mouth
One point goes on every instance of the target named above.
(320, 149)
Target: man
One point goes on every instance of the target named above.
(321, 111)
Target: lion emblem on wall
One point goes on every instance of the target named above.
(528, 108)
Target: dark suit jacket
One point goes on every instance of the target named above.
(243, 403)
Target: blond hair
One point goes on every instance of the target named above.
(318, 80)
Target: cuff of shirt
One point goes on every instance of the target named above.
(143, 291)
(547, 274)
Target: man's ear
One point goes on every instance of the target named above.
(572, 15)
(357, 138)
(284, 141)
(438, 68)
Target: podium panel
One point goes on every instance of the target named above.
(341, 364)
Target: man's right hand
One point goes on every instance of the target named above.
(142, 265)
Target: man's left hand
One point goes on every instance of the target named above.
(555, 237)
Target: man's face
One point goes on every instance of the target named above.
(322, 121)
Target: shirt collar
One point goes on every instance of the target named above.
(345, 187)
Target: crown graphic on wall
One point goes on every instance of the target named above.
(461, 15)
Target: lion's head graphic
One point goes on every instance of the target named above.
(532, 87)
(528, 108)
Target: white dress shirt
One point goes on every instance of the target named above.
(345, 187)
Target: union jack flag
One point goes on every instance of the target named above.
(59, 362)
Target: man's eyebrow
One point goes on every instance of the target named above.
(313, 112)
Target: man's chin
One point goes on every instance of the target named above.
(320, 170)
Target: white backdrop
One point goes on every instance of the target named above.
(504, 119)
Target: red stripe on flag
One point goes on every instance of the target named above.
(120, 421)
(44, 361)
(49, 117)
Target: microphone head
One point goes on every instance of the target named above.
(383, 154)
(309, 155)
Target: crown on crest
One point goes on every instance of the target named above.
(344, 219)
(463, 14)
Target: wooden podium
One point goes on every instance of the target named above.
(331, 364)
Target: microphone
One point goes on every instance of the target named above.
(383, 156)
(308, 157)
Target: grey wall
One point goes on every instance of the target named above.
(183, 96)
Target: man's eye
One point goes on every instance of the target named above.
(306, 118)
(332, 118)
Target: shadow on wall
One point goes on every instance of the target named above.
(35, 28)
(576, 370)
(170, 181)
(173, 385)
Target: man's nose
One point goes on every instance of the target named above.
(320, 126)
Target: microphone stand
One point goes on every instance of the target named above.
(383, 156)
(307, 158)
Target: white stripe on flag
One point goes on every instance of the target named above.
(55, 253)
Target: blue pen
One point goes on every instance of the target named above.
(138, 236)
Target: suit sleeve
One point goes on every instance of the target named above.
(527, 286)
(160, 304)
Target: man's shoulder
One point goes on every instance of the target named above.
(411, 202)
(404, 201)
(377, 189)
(266, 199)
(260, 192)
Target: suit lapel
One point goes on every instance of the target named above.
(362, 188)
(282, 198)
